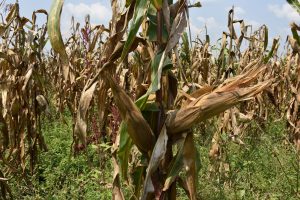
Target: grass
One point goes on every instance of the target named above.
(264, 168)
(62, 176)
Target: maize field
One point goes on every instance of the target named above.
(141, 92)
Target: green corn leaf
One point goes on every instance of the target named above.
(140, 11)
(270, 54)
(295, 4)
(294, 29)
(124, 150)
(266, 37)
(152, 29)
(158, 64)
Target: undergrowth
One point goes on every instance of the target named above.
(266, 167)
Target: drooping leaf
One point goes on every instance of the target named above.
(178, 26)
(27, 77)
(189, 160)
(84, 103)
(231, 93)
(137, 127)
(55, 34)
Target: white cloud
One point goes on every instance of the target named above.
(99, 14)
(238, 12)
(208, 1)
(195, 29)
(214, 29)
(284, 11)
(210, 22)
(255, 24)
(97, 11)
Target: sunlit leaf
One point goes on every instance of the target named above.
(55, 34)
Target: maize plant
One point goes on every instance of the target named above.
(145, 86)
(23, 90)
(151, 121)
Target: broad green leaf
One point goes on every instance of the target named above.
(124, 149)
(185, 54)
(295, 4)
(152, 29)
(140, 12)
(161, 60)
(157, 66)
(54, 27)
(140, 103)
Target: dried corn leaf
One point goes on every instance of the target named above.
(55, 35)
(216, 102)
(138, 128)
(84, 103)
(189, 160)
(176, 164)
(157, 156)
(117, 193)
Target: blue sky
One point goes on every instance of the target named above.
(276, 14)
